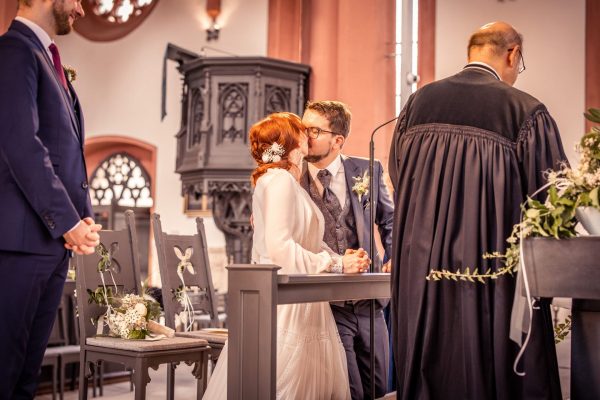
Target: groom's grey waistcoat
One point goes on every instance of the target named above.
(340, 230)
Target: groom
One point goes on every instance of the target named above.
(337, 184)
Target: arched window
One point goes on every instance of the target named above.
(107, 20)
(122, 180)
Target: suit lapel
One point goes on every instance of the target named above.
(304, 177)
(351, 170)
(77, 110)
(24, 30)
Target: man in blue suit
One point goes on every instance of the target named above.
(338, 185)
(45, 208)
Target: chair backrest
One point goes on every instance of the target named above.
(178, 250)
(121, 262)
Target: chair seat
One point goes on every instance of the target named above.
(70, 349)
(175, 343)
(52, 351)
(210, 336)
(206, 318)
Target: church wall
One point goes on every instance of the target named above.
(553, 49)
(119, 84)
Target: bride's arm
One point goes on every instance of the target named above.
(336, 264)
(280, 205)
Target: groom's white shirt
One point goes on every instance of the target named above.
(41, 34)
(338, 180)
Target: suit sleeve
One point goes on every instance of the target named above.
(384, 214)
(21, 149)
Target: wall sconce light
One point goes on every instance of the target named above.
(213, 9)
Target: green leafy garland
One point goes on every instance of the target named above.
(562, 330)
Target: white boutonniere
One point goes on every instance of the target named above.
(361, 185)
(70, 72)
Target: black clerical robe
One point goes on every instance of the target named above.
(466, 152)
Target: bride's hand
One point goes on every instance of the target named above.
(355, 261)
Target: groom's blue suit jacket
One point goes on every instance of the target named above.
(43, 179)
(384, 211)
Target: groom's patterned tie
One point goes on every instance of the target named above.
(58, 65)
(329, 198)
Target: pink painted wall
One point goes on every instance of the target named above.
(8, 10)
(348, 45)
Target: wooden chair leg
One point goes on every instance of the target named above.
(83, 380)
(201, 374)
(101, 378)
(171, 381)
(140, 379)
(130, 380)
(54, 374)
(61, 379)
(94, 378)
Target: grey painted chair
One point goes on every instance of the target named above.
(139, 355)
(177, 251)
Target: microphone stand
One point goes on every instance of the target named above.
(372, 248)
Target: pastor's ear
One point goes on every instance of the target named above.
(512, 57)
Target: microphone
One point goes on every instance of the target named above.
(371, 192)
(372, 248)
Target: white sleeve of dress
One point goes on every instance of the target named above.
(280, 205)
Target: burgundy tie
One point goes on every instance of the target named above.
(58, 65)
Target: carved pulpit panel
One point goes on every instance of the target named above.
(222, 98)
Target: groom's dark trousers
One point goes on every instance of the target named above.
(43, 194)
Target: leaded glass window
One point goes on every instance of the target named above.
(121, 179)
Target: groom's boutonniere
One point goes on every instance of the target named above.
(70, 72)
(361, 185)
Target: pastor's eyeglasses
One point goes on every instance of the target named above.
(521, 59)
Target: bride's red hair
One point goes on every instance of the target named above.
(284, 128)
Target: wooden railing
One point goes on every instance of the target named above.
(254, 293)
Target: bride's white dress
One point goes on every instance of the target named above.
(288, 231)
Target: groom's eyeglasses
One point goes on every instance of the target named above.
(313, 132)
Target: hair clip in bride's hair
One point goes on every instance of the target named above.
(273, 153)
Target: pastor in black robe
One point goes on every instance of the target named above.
(466, 152)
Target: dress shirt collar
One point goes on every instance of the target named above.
(335, 167)
(41, 34)
(483, 67)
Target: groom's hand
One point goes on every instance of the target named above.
(356, 261)
(84, 238)
(387, 267)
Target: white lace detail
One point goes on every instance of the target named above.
(273, 153)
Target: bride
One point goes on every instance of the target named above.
(288, 231)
